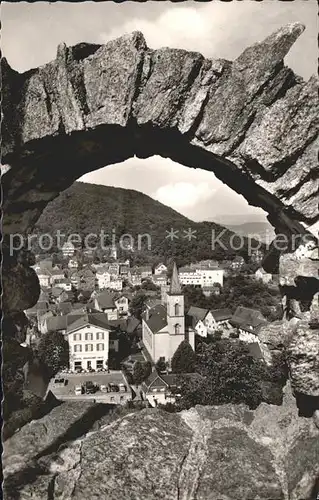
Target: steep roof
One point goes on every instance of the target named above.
(248, 319)
(132, 324)
(105, 300)
(175, 288)
(154, 380)
(197, 313)
(221, 314)
(96, 319)
(157, 318)
(64, 307)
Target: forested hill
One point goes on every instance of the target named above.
(87, 208)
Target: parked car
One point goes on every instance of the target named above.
(103, 388)
(122, 387)
(89, 387)
(78, 390)
(78, 370)
(60, 382)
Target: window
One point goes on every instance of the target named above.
(89, 336)
(176, 309)
(99, 363)
(77, 364)
(77, 348)
(100, 347)
(89, 347)
(100, 336)
(177, 329)
(77, 336)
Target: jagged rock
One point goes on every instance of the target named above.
(250, 121)
(303, 359)
(21, 288)
(226, 452)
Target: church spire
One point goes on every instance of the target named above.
(175, 288)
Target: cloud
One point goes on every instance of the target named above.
(183, 195)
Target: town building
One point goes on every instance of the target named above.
(88, 338)
(135, 278)
(103, 277)
(159, 389)
(122, 304)
(160, 268)
(68, 249)
(221, 318)
(116, 285)
(113, 252)
(237, 263)
(104, 302)
(201, 276)
(114, 270)
(201, 320)
(73, 264)
(144, 271)
(64, 283)
(160, 279)
(164, 326)
(247, 321)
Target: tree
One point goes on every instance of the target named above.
(160, 365)
(53, 352)
(184, 359)
(227, 374)
(141, 371)
(138, 373)
(138, 304)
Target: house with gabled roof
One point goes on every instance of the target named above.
(88, 337)
(160, 268)
(104, 302)
(164, 326)
(221, 318)
(247, 321)
(159, 389)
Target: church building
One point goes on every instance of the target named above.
(164, 326)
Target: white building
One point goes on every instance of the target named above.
(73, 264)
(164, 327)
(116, 285)
(103, 277)
(88, 339)
(160, 268)
(201, 320)
(68, 249)
(201, 277)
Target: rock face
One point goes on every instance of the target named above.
(303, 359)
(226, 452)
(253, 122)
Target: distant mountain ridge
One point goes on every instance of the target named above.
(263, 230)
(87, 208)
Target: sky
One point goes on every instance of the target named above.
(31, 33)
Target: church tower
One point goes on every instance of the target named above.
(175, 307)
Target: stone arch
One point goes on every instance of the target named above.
(252, 122)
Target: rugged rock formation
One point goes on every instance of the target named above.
(226, 452)
(253, 122)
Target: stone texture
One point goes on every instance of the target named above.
(303, 359)
(226, 452)
(21, 288)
